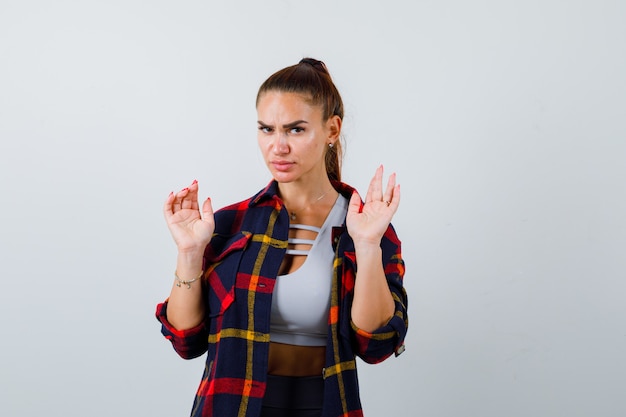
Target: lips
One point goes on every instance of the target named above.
(282, 165)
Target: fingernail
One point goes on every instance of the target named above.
(194, 182)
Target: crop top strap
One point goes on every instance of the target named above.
(298, 241)
(305, 227)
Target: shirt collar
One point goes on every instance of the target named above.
(271, 191)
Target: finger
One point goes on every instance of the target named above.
(391, 183)
(207, 210)
(374, 190)
(188, 198)
(178, 201)
(354, 206)
(395, 201)
(167, 207)
(192, 196)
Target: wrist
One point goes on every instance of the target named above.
(187, 282)
(367, 248)
(192, 260)
(190, 248)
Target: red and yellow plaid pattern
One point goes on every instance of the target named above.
(241, 263)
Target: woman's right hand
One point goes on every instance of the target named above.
(190, 228)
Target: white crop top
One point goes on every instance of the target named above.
(301, 300)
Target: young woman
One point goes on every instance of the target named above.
(284, 289)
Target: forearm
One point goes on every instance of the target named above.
(185, 308)
(373, 304)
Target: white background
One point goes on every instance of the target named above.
(506, 124)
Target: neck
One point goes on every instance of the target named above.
(299, 198)
(300, 194)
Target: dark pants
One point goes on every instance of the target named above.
(287, 396)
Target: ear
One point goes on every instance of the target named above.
(333, 124)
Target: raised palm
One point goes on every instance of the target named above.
(367, 224)
(190, 228)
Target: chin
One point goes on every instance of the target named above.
(283, 177)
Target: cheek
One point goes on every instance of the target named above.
(317, 143)
(311, 140)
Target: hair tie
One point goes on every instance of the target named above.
(318, 65)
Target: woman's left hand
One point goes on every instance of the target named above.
(367, 226)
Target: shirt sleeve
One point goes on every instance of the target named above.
(376, 346)
(189, 343)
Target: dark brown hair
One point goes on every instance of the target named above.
(311, 78)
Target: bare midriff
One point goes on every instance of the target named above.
(292, 360)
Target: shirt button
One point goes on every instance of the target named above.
(400, 350)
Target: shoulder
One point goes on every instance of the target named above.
(343, 189)
(229, 219)
(237, 222)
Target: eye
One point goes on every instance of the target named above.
(266, 129)
(296, 130)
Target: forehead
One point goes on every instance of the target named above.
(278, 102)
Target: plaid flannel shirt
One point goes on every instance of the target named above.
(241, 264)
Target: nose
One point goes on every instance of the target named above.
(281, 145)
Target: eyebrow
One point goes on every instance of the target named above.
(285, 126)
